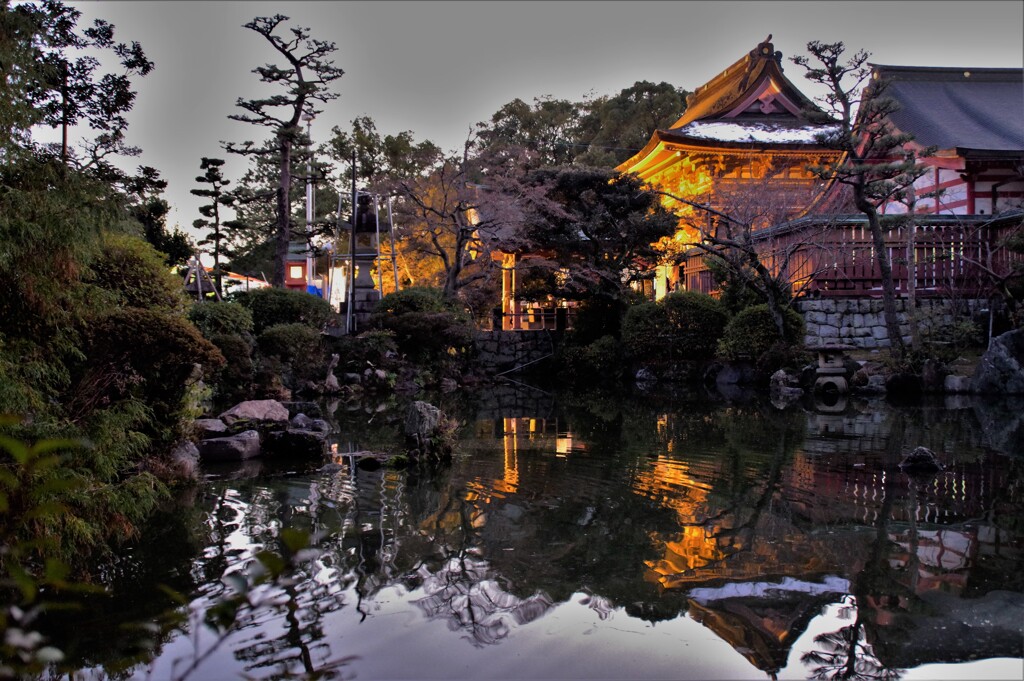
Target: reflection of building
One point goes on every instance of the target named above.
(763, 627)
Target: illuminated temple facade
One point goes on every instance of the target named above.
(742, 147)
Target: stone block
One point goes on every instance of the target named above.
(957, 384)
(245, 445)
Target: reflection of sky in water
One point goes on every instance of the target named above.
(762, 549)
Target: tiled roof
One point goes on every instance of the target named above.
(967, 108)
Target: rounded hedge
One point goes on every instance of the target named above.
(221, 318)
(697, 321)
(686, 324)
(752, 332)
(290, 342)
(644, 329)
(416, 299)
(272, 306)
(133, 274)
(427, 327)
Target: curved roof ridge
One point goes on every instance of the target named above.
(739, 82)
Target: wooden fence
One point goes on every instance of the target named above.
(953, 257)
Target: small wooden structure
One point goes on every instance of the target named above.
(198, 281)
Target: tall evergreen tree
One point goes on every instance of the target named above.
(306, 78)
(215, 240)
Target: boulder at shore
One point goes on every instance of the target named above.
(1001, 370)
(255, 410)
(245, 445)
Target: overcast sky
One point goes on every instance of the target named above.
(437, 68)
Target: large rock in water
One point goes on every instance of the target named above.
(211, 427)
(422, 422)
(245, 445)
(255, 410)
(184, 461)
(1001, 370)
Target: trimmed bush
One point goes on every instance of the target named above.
(216, 319)
(596, 317)
(133, 274)
(289, 342)
(375, 348)
(599, 362)
(751, 333)
(416, 299)
(426, 326)
(681, 325)
(644, 331)
(139, 353)
(272, 306)
(697, 321)
(235, 379)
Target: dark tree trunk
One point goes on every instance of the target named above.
(283, 232)
(892, 324)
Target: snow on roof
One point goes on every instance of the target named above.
(831, 584)
(754, 131)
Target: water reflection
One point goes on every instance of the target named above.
(756, 524)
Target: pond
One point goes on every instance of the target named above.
(601, 538)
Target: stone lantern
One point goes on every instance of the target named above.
(364, 252)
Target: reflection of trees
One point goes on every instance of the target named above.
(301, 648)
(296, 604)
(734, 528)
(845, 653)
(465, 593)
(106, 630)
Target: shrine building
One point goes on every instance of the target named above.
(742, 145)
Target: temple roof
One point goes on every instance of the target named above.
(971, 109)
(750, 106)
(752, 86)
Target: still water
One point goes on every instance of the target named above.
(594, 538)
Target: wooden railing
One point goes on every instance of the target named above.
(539, 318)
(962, 258)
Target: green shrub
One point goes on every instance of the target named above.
(599, 362)
(645, 331)
(289, 342)
(684, 325)
(596, 317)
(272, 306)
(370, 348)
(235, 378)
(133, 274)
(214, 319)
(149, 355)
(697, 321)
(751, 333)
(426, 326)
(416, 299)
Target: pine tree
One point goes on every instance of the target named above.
(305, 78)
(878, 164)
(215, 239)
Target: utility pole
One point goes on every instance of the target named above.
(309, 201)
(352, 253)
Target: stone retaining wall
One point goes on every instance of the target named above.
(861, 322)
(503, 350)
